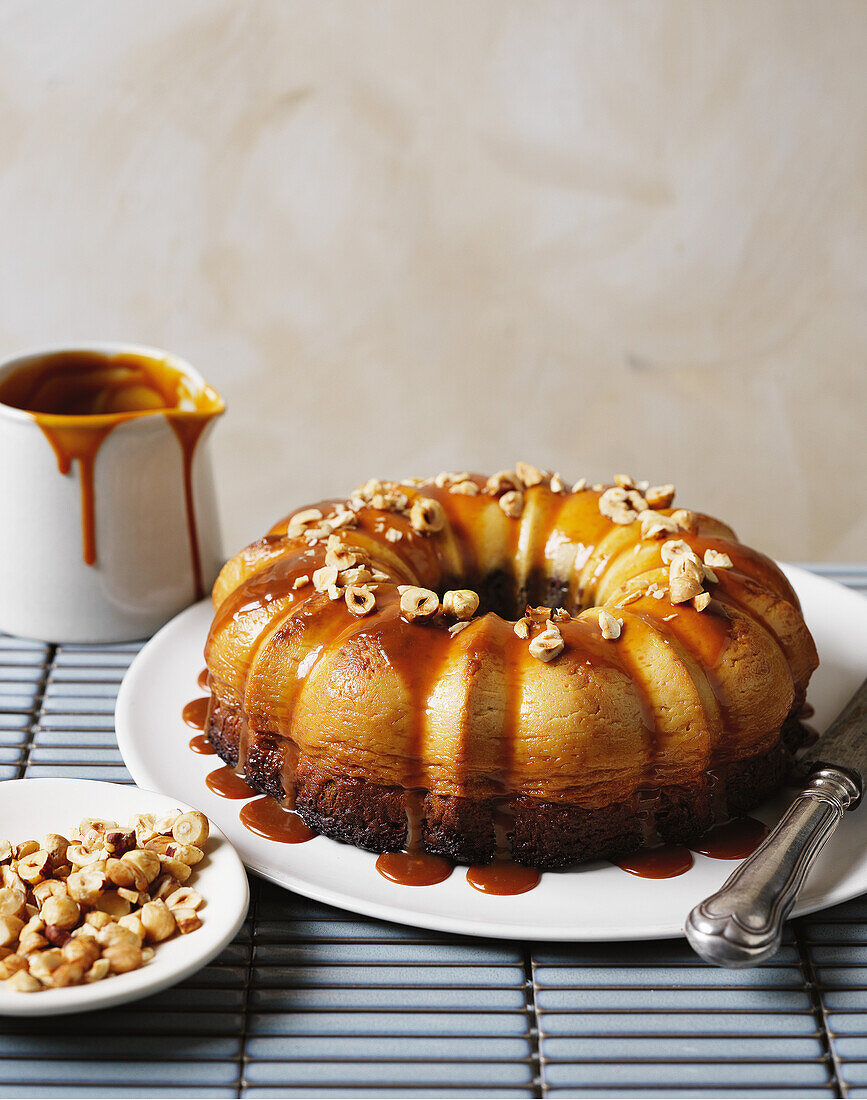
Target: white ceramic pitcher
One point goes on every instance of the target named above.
(128, 536)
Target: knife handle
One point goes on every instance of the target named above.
(742, 923)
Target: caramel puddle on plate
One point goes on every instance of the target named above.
(733, 840)
(503, 878)
(667, 861)
(408, 869)
(227, 784)
(266, 817)
(195, 713)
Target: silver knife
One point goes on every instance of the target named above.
(742, 923)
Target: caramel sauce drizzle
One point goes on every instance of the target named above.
(227, 783)
(413, 868)
(732, 840)
(267, 818)
(666, 861)
(78, 398)
(195, 713)
(503, 878)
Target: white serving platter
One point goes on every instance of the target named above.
(595, 902)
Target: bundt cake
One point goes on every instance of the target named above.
(467, 665)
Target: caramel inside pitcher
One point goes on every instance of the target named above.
(79, 397)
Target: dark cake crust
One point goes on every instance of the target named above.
(547, 835)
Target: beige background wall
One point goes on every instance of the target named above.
(409, 236)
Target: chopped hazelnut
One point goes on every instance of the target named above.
(57, 935)
(717, 560)
(11, 902)
(117, 933)
(427, 515)
(123, 957)
(23, 982)
(187, 920)
(112, 903)
(622, 505)
(547, 645)
(529, 475)
(609, 626)
(35, 867)
(418, 603)
(359, 599)
(85, 886)
(99, 970)
(158, 921)
(164, 886)
(10, 928)
(28, 942)
(325, 577)
(684, 579)
(61, 911)
(43, 964)
(160, 844)
(186, 853)
(132, 923)
(55, 845)
(685, 519)
(175, 868)
(502, 482)
(512, 503)
(11, 965)
(121, 872)
(42, 891)
(118, 841)
(148, 862)
(81, 949)
(342, 558)
(79, 856)
(522, 627)
(659, 496)
(98, 920)
(305, 517)
(461, 602)
(678, 548)
(654, 524)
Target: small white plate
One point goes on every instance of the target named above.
(30, 808)
(594, 902)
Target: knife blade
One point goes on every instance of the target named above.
(742, 923)
(844, 742)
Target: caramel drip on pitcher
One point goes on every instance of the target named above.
(77, 398)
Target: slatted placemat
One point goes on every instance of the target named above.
(310, 1001)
